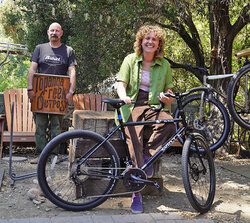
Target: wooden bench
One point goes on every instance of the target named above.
(23, 123)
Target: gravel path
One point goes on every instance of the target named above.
(231, 204)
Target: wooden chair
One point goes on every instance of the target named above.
(23, 123)
(89, 101)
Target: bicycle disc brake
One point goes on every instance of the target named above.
(195, 172)
(198, 124)
(78, 174)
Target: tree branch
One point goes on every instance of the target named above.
(187, 67)
(242, 20)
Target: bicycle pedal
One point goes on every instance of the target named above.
(146, 182)
(157, 186)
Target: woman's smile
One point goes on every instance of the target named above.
(150, 43)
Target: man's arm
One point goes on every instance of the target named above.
(72, 75)
(32, 71)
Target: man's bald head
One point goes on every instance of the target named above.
(55, 33)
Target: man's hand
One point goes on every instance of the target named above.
(69, 98)
(31, 95)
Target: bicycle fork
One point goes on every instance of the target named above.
(198, 121)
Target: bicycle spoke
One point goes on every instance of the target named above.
(239, 97)
(209, 118)
(198, 173)
(76, 184)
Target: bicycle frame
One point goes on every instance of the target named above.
(122, 125)
(217, 77)
(86, 182)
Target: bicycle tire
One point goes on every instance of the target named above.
(238, 98)
(73, 188)
(216, 125)
(199, 182)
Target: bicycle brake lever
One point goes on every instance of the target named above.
(160, 107)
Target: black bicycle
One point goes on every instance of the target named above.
(238, 93)
(81, 181)
(208, 115)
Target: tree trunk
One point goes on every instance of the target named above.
(222, 36)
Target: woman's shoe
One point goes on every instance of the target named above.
(136, 206)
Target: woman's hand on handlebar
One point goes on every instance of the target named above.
(121, 90)
(127, 100)
(164, 99)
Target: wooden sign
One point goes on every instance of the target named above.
(50, 93)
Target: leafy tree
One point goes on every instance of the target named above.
(101, 40)
(26, 22)
(14, 73)
(102, 32)
(224, 20)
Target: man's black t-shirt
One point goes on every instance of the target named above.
(53, 60)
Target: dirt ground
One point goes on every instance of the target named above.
(231, 204)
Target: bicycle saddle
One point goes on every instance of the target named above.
(243, 53)
(116, 103)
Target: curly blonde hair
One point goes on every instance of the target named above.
(145, 30)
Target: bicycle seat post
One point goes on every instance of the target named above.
(205, 79)
(123, 135)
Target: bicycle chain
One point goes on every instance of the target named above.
(122, 174)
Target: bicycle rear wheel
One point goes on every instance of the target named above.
(214, 122)
(239, 97)
(198, 173)
(72, 182)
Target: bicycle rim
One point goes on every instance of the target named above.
(77, 187)
(239, 97)
(198, 173)
(213, 123)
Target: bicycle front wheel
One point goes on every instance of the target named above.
(212, 121)
(198, 173)
(239, 97)
(82, 175)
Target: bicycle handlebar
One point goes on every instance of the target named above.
(203, 69)
(117, 103)
(180, 95)
(186, 93)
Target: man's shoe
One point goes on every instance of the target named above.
(136, 206)
(149, 171)
(34, 161)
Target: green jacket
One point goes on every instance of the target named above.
(130, 73)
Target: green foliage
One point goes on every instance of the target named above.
(14, 74)
(102, 41)
(102, 32)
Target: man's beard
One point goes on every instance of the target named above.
(54, 38)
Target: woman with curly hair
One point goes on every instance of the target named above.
(144, 76)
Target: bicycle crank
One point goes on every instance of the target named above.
(136, 179)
